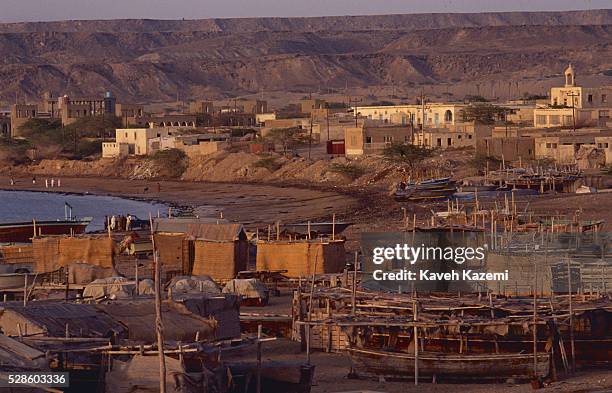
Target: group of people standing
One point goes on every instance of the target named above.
(118, 223)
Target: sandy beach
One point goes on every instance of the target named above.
(251, 204)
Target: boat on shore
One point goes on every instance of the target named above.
(22, 232)
(369, 363)
(427, 190)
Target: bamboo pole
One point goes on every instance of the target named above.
(159, 326)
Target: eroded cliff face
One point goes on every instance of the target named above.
(148, 60)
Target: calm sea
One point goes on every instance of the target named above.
(18, 206)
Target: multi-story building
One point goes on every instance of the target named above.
(20, 114)
(573, 105)
(429, 115)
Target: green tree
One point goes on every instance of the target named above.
(485, 113)
(409, 155)
(289, 138)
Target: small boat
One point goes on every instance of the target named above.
(427, 190)
(369, 363)
(22, 232)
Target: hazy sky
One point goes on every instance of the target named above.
(42, 10)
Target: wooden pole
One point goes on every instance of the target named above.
(416, 343)
(354, 289)
(312, 285)
(258, 358)
(334, 226)
(571, 315)
(159, 326)
(535, 316)
(25, 289)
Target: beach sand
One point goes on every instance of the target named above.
(250, 204)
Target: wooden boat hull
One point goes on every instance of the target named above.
(22, 232)
(13, 280)
(400, 365)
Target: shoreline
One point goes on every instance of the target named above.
(241, 202)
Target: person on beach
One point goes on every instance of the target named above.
(46, 183)
(58, 183)
(113, 222)
(34, 180)
(52, 182)
(12, 181)
(128, 222)
(105, 223)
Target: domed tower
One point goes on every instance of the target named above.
(570, 76)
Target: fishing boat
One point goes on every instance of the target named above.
(427, 190)
(22, 232)
(368, 363)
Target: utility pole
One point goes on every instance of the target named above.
(310, 137)
(572, 95)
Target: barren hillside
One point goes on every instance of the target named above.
(153, 60)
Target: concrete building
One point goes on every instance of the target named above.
(176, 121)
(587, 106)
(588, 148)
(129, 113)
(261, 118)
(71, 109)
(20, 114)
(254, 106)
(193, 144)
(433, 115)
(201, 107)
(133, 141)
(373, 138)
(311, 105)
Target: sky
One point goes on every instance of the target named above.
(45, 10)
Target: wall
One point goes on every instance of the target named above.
(298, 258)
(354, 141)
(510, 149)
(219, 260)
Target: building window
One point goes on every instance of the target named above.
(368, 139)
(590, 98)
(448, 116)
(554, 119)
(540, 119)
(449, 141)
(388, 139)
(439, 142)
(548, 145)
(604, 98)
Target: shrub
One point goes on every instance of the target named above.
(270, 163)
(173, 162)
(349, 170)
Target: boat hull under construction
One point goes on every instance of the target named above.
(367, 363)
(22, 232)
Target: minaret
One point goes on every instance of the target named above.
(570, 76)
